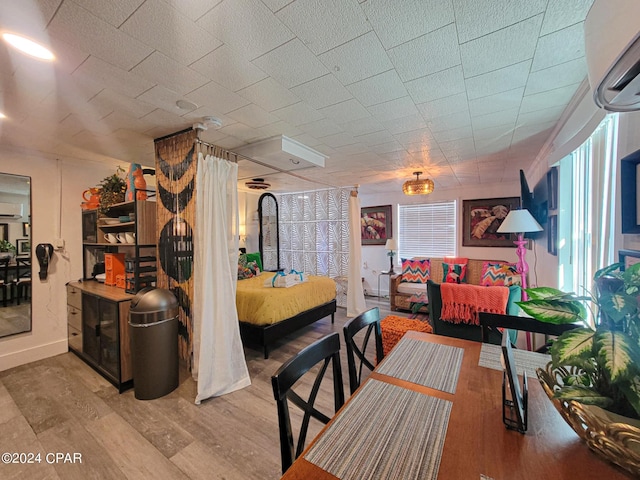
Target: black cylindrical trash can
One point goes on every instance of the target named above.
(153, 327)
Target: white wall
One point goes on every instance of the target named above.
(374, 257)
(56, 188)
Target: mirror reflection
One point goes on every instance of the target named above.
(15, 254)
(269, 239)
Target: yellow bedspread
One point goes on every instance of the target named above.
(262, 305)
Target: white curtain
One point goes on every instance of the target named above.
(355, 291)
(219, 366)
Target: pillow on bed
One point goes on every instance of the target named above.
(254, 257)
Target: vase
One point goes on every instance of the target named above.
(611, 436)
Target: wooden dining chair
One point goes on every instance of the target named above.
(357, 353)
(325, 350)
(492, 321)
(23, 280)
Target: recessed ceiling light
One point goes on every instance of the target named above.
(28, 46)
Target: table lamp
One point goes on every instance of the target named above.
(520, 222)
(392, 246)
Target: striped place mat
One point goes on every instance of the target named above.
(491, 357)
(424, 363)
(384, 432)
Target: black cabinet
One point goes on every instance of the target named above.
(101, 337)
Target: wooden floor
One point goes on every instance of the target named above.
(60, 405)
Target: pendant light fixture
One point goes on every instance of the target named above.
(418, 186)
(257, 184)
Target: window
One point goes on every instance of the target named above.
(427, 230)
(586, 216)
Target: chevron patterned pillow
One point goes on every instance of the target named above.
(415, 271)
(499, 274)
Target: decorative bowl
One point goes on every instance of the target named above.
(110, 221)
(613, 437)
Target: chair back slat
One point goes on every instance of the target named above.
(357, 354)
(325, 350)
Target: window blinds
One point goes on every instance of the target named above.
(427, 230)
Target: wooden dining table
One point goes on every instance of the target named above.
(459, 407)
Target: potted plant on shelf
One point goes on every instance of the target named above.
(112, 190)
(593, 378)
(7, 249)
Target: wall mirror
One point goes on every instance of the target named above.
(269, 238)
(15, 254)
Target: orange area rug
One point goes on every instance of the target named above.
(393, 328)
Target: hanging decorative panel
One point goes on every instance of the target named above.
(314, 231)
(175, 178)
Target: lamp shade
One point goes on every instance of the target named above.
(519, 221)
(418, 186)
(391, 244)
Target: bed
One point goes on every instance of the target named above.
(267, 314)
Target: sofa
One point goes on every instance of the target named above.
(401, 292)
(478, 272)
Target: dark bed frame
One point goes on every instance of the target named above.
(264, 335)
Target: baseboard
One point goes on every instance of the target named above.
(28, 355)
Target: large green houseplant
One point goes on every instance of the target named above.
(604, 352)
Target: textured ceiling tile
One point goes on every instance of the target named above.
(298, 114)
(376, 138)
(502, 48)
(358, 59)
(494, 132)
(338, 140)
(275, 5)
(504, 117)
(462, 147)
(253, 116)
(160, 69)
(322, 91)
(444, 106)
(127, 105)
(398, 22)
(423, 137)
(217, 97)
(353, 149)
(559, 47)
(240, 131)
(430, 53)
(229, 69)
(487, 146)
(193, 9)
(157, 24)
(112, 12)
(526, 131)
(379, 88)
(501, 80)
(496, 103)
(563, 14)
(246, 25)
(323, 25)
(393, 146)
(283, 128)
(76, 26)
(112, 77)
(291, 64)
(481, 17)
(540, 116)
(269, 95)
(401, 107)
(344, 112)
(363, 125)
(550, 98)
(321, 128)
(404, 124)
(442, 84)
(196, 115)
(455, 120)
(453, 134)
(570, 73)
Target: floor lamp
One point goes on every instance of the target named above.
(521, 222)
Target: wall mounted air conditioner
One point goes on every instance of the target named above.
(612, 49)
(10, 210)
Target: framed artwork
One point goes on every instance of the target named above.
(628, 258)
(26, 229)
(552, 235)
(375, 225)
(4, 231)
(23, 247)
(482, 218)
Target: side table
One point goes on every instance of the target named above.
(384, 272)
